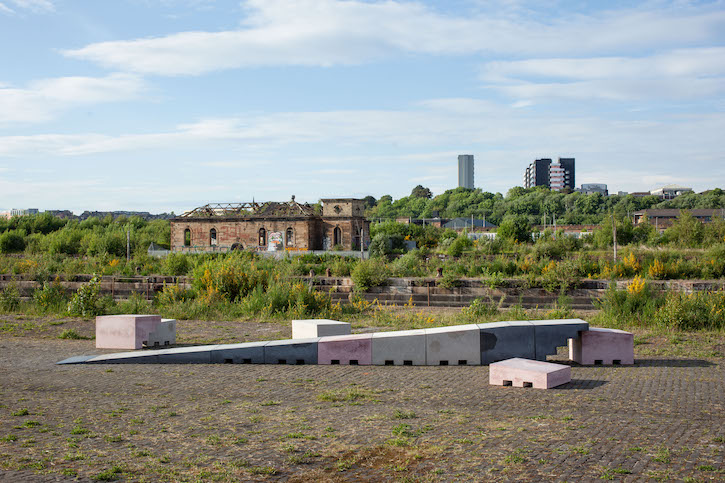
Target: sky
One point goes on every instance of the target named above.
(166, 105)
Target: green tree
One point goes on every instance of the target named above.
(514, 228)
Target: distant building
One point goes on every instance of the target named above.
(670, 191)
(663, 218)
(272, 226)
(464, 223)
(465, 171)
(23, 212)
(591, 188)
(555, 175)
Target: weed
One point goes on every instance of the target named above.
(30, 423)
(706, 468)
(515, 457)
(9, 438)
(270, 403)
(113, 439)
(263, 470)
(111, 474)
(398, 414)
(662, 455)
(349, 394)
(21, 412)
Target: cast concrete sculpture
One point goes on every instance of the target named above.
(126, 331)
(455, 345)
(519, 372)
(310, 328)
(602, 346)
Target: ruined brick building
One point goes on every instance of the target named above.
(272, 226)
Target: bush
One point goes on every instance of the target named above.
(51, 297)
(86, 301)
(9, 298)
(480, 308)
(136, 304)
(12, 241)
(176, 264)
(369, 273)
(459, 245)
(694, 311)
(230, 278)
(636, 305)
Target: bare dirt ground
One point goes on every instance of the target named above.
(661, 419)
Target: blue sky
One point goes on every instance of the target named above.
(165, 105)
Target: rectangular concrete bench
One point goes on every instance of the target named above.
(504, 340)
(311, 328)
(244, 353)
(602, 346)
(354, 349)
(399, 348)
(291, 351)
(458, 345)
(125, 331)
(519, 372)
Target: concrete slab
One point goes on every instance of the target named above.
(520, 372)
(354, 349)
(291, 351)
(75, 360)
(200, 354)
(245, 353)
(164, 334)
(551, 334)
(124, 331)
(453, 346)
(602, 346)
(399, 348)
(136, 357)
(505, 340)
(311, 328)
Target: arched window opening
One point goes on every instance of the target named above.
(290, 237)
(187, 238)
(337, 236)
(262, 237)
(212, 236)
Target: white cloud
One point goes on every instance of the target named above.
(329, 32)
(41, 100)
(681, 73)
(5, 9)
(37, 6)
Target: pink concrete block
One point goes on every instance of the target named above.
(124, 331)
(355, 349)
(519, 372)
(602, 346)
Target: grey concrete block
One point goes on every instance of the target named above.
(506, 340)
(311, 328)
(551, 334)
(452, 346)
(403, 347)
(291, 351)
(75, 360)
(186, 355)
(164, 334)
(246, 353)
(135, 357)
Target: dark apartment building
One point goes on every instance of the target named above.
(557, 175)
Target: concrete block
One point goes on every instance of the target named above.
(602, 346)
(200, 354)
(291, 351)
(453, 346)
(311, 328)
(164, 334)
(520, 372)
(399, 348)
(136, 357)
(124, 331)
(354, 349)
(551, 334)
(246, 353)
(505, 340)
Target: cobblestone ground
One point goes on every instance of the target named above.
(662, 419)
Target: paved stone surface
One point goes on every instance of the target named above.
(659, 419)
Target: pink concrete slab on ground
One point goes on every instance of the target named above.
(342, 349)
(124, 331)
(602, 346)
(519, 372)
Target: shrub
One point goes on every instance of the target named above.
(86, 301)
(369, 273)
(480, 308)
(9, 298)
(694, 311)
(560, 276)
(230, 278)
(459, 245)
(12, 241)
(136, 304)
(635, 305)
(176, 264)
(51, 297)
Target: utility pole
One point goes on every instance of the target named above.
(362, 243)
(128, 245)
(614, 236)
